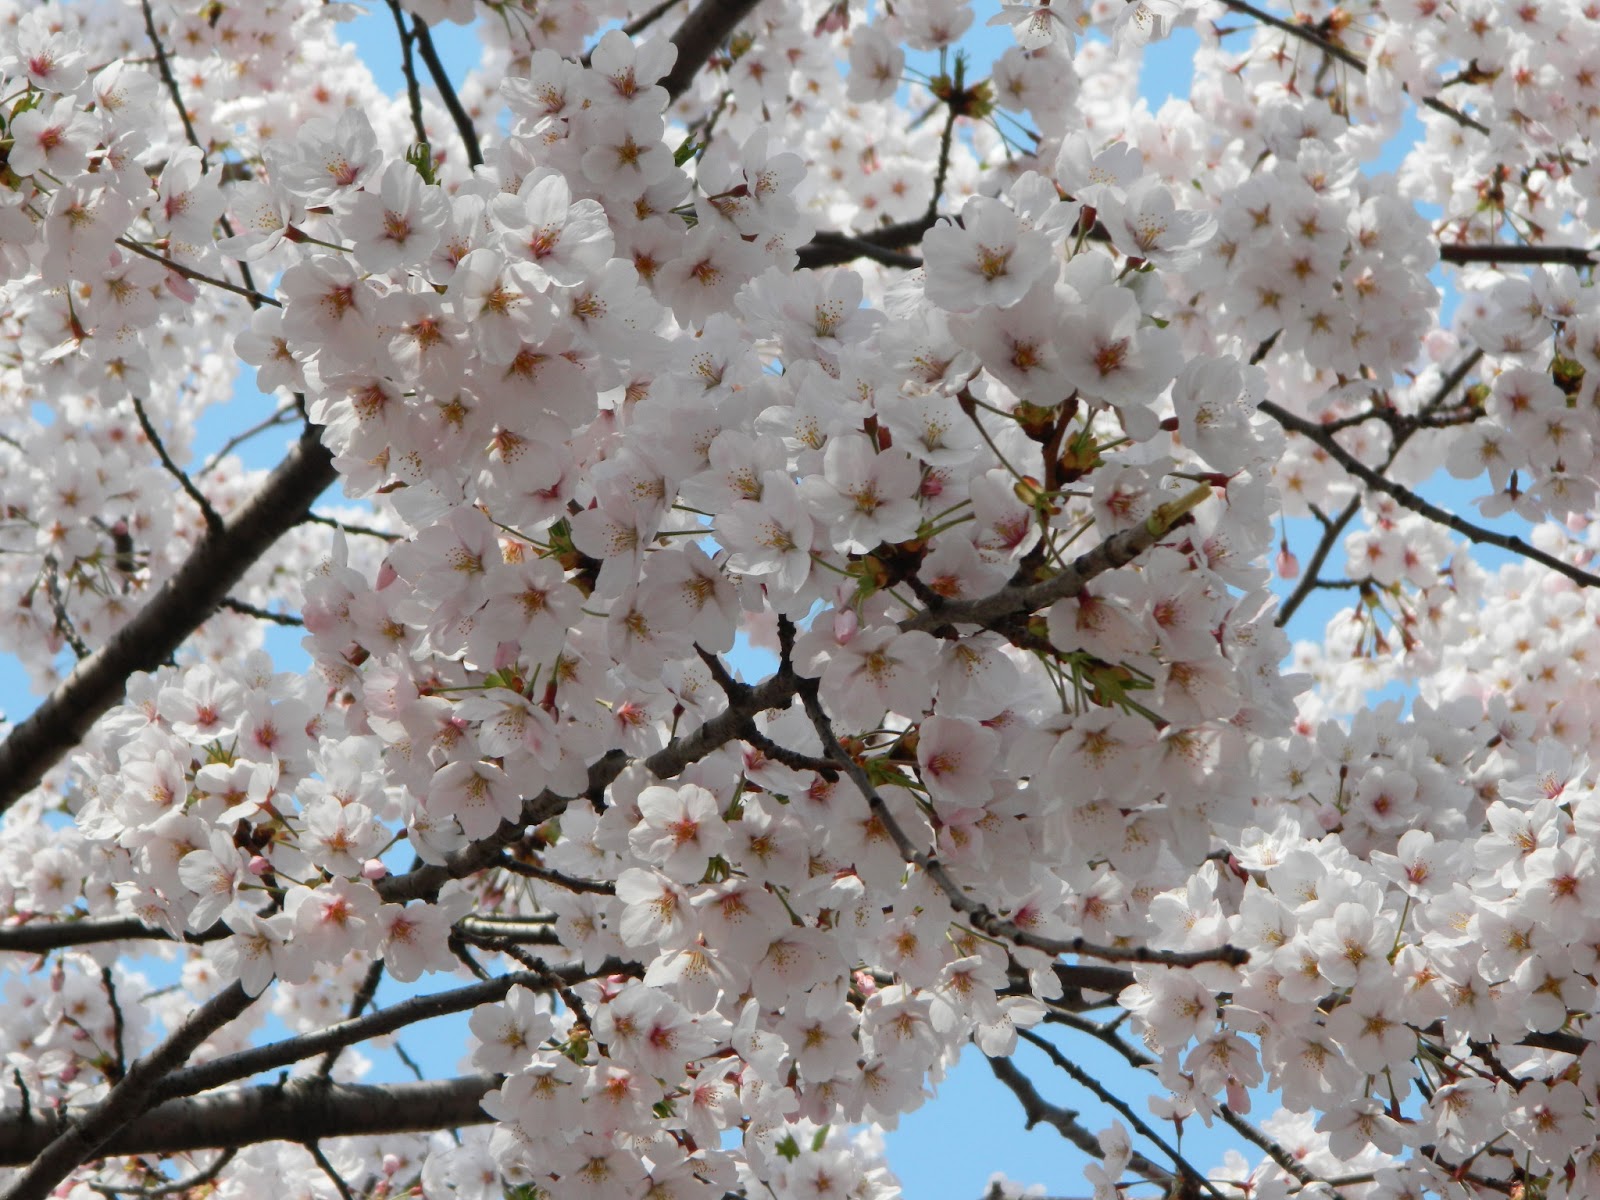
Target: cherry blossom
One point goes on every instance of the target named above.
(799, 601)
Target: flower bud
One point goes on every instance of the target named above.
(1288, 565)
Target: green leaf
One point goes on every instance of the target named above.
(420, 156)
(687, 150)
(788, 1148)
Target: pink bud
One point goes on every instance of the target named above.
(391, 1163)
(845, 623)
(507, 654)
(386, 575)
(1238, 1096)
(373, 870)
(68, 1073)
(1288, 564)
(258, 865)
(182, 288)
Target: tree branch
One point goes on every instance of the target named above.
(213, 519)
(702, 31)
(176, 1186)
(830, 249)
(297, 1111)
(245, 1063)
(1310, 36)
(256, 299)
(245, 609)
(1116, 551)
(447, 91)
(1036, 1110)
(408, 67)
(191, 595)
(89, 1131)
(358, 1004)
(1409, 499)
(978, 914)
(1572, 256)
(1084, 1080)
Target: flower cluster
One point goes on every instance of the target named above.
(770, 659)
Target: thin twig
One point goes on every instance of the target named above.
(638, 25)
(1084, 1080)
(165, 68)
(447, 91)
(1310, 36)
(1332, 529)
(198, 1179)
(358, 1004)
(408, 67)
(557, 878)
(327, 1169)
(58, 608)
(1036, 1110)
(1330, 534)
(119, 1061)
(167, 77)
(349, 527)
(1409, 499)
(978, 914)
(127, 1099)
(257, 299)
(246, 609)
(212, 517)
(1141, 1061)
(410, 1063)
(280, 417)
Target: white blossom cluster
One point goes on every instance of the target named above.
(622, 375)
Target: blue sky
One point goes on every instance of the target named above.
(948, 1149)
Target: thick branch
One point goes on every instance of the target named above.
(1572, 256)
(829, 249)
(298, 1111)
(245, 1063)
(85, 1136)
(702, 31)
(217, 562)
